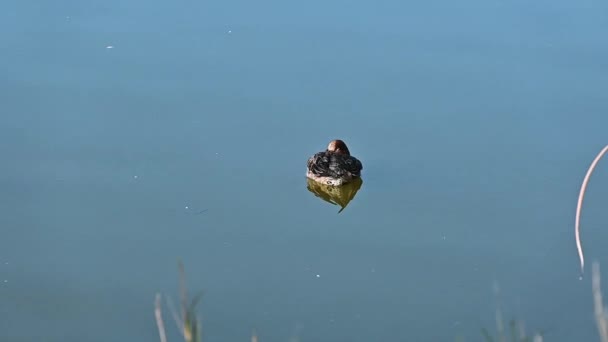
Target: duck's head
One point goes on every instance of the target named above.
(338, 146)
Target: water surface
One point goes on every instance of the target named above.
(475, 122)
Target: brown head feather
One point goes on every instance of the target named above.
(338, 146)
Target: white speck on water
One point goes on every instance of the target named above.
(186, 207)
(135, 177)
(318, 276)
(110, 47)
(229, 31)
(6, 280)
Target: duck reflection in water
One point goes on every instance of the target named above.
(337, 195)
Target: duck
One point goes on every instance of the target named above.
(334, 166)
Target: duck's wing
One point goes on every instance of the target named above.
(334, 165)
(319, 164)
(340, 164)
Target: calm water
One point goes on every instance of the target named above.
(475, 122)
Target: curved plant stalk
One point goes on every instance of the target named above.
(579, 206)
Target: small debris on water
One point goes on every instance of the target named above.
(318, 276)
(110, 47)
(229, 31)
(194, 211)
(135, 177)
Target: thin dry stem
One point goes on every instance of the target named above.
(500, 327)
(159, 319)
(598, 304)
(176, 318)
(579, 206)
(521, 329)
(182, 289)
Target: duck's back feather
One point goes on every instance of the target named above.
(334, 165)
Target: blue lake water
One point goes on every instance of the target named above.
(135, 134)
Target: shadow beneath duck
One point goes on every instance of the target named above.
(336, 195)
